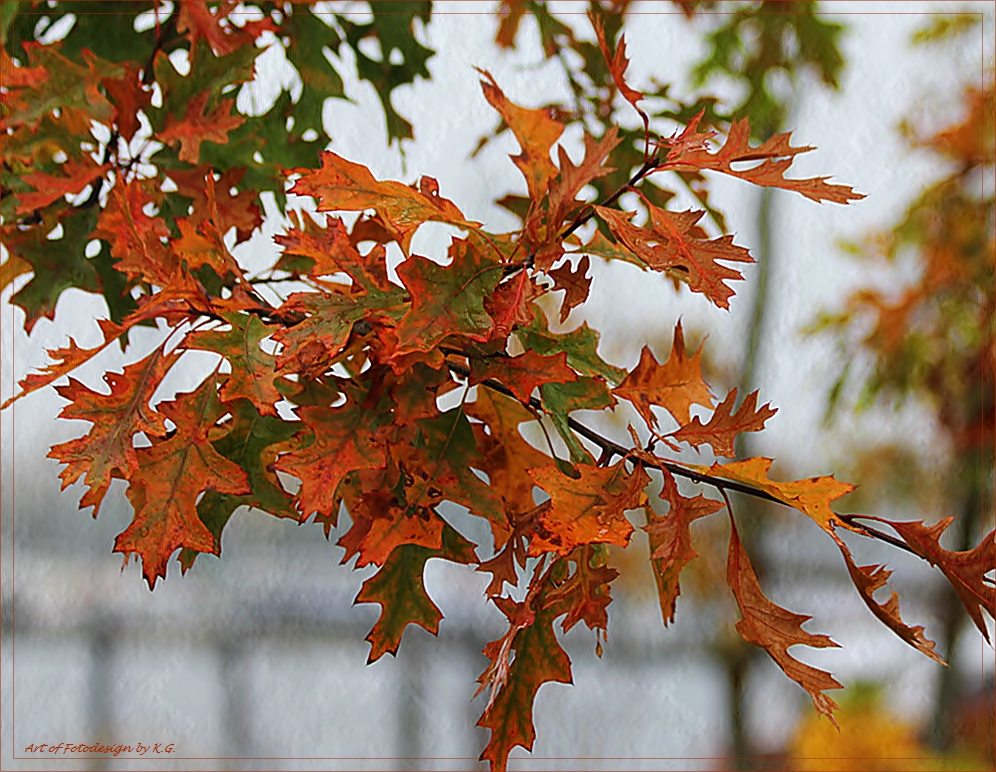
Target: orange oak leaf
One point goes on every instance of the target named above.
(669, 244)
(507, 455)
(332, 251)
(575, 283)
(965, 570)
(671, 540)
(523, 373)
(197, 126)
(775, 156)
(171, 476)
(253, 374)
(775, 629)
(129, 98)
(539, 659)
(214, 199)
(724, 426)
(585, 593)
(107, 450)
(215, 25)
(341, 442)
(812, 497)
(618, 62)
(588, 510)
(868, 580)
(77, 175)
(342, 185)
(64, 360)
(676, 385)
(380, 524)
(511, 303)
(136, 238)
(542, 229)
(535, 131)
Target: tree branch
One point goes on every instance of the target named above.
(611, 448)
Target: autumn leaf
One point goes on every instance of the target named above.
(965, 570)
(585, 593)
(332, 252)
(136, 238)
(253, 373)
(669, 244)
(522, 373)
(588, 510)
(671, 540)
(575, 283)
(868, 580)
(129, 98)
(381, 524)
(399, 589)
(64, 360)
(340, 442)
(77, 175)
(776, 629)
(107, 450)
(446, 300)
(812, 497)
(506, 454)
(171, 476)
(775, 156)
(534, 130)
(618, 62)
(342, 185)
(198, 126)
(539, 659)
(676, 385)
(722, 429)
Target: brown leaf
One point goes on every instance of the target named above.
(671, 540)
(965, 570)
(575, 283)
(669, 244)
(676, 385)
(724, 426)
(690, 152)
(775, 629)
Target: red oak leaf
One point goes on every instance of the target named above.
(447, 300)
(197, 126)
(523, 373)
(78, 174)
(534, 130)
(171, 476)
(776, 629)
(676, 385)
(253, 374)
(965, 570)
(775, 157)
(342, 185)
(341, 443)
(136, 238)
(129, 97)
(724, 426)
(107, 450)
(668, 244)
(671, 540)
(588, 510)
(575, 283)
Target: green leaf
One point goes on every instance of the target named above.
(59, 264)
(399, 589)
(580, 345)
(561, 399)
